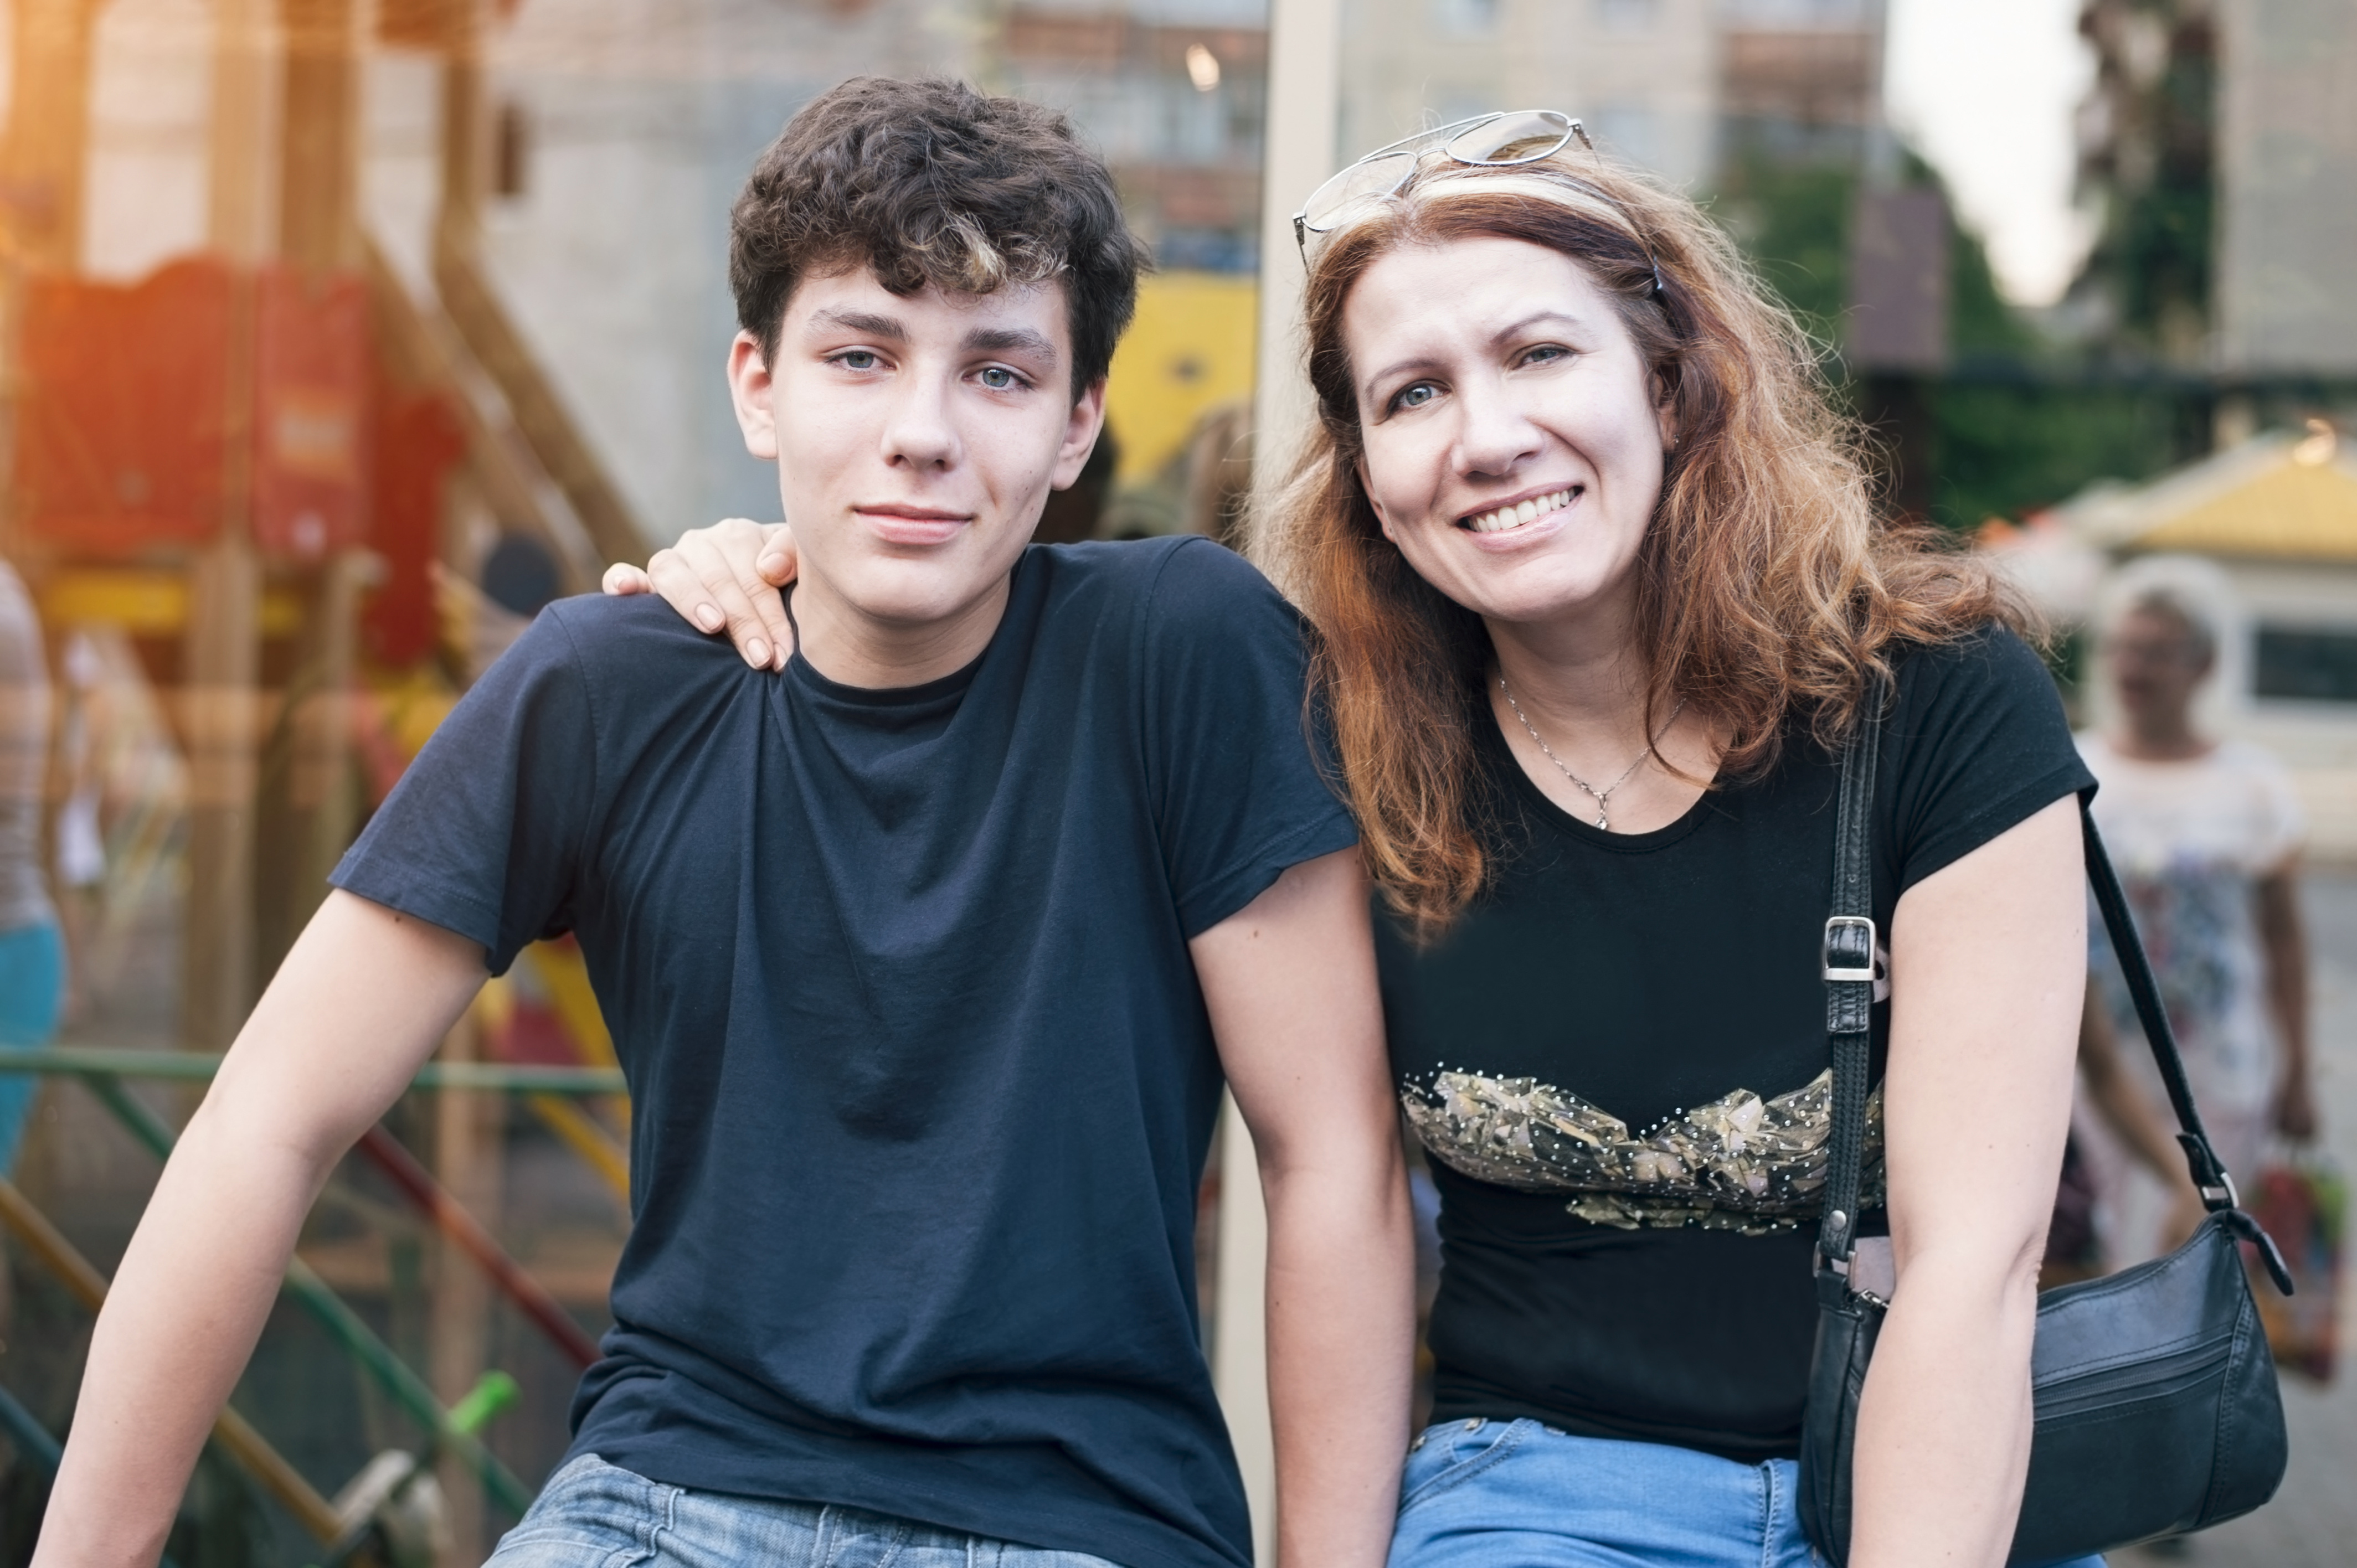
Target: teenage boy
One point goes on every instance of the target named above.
(925, 957)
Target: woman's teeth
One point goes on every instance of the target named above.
(1520, 512)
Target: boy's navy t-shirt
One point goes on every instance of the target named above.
(922, 1075)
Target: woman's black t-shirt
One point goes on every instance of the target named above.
(1617, 1061)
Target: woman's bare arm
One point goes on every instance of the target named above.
(726, 577)
(359, 1002)
(1988, 973)
(2283, 944)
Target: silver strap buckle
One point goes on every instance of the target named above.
(1833, 971)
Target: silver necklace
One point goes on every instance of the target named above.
(1600, 796)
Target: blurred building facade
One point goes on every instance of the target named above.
(1802, 79)
(2287, 153)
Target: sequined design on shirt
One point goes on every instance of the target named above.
(1739, 1163)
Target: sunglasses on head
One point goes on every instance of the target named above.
(1498, 141)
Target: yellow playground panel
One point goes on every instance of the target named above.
(1189, 350)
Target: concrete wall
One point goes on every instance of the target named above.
(1641, 75)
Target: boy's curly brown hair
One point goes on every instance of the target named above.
(932, 182)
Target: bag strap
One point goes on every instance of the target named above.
(2216, 1184)
(1849, 967)
(1849, 959)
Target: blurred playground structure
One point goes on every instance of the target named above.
(337, 337)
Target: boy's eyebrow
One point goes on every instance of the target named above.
(1011, 340)
(982, 339)
(862, 321)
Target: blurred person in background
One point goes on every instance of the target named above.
(2206, 834)
(32, 950)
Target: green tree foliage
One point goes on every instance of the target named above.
(2022, 422)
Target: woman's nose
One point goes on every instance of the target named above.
(1496, 434)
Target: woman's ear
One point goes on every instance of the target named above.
(1665, 410)
(1359, 466)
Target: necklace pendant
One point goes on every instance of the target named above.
(1601, 822)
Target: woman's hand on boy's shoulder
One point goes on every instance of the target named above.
(725, 577)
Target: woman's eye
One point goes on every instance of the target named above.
(998, 377)
(1544, 353)
(1416, 396)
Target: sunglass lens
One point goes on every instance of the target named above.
(1338, 200)
(1513, 138)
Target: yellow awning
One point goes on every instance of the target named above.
(2290, 511)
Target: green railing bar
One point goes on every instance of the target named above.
(29, 1437)
(509, 1078)
(375, 1356)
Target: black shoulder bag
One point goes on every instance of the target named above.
(2155, 1404)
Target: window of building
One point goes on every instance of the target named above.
(2308, 664)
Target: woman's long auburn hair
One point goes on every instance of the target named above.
(1767, 589)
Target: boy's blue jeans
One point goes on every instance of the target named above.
(595, 1515)
(1515, 1494)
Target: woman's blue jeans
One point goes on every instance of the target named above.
(595, 1515)
(32, 987)
(1515, 1494)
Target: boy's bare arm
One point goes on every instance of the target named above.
(1290, 982)
(359, 1002)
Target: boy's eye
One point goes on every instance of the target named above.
(857, 360)
(998, 377)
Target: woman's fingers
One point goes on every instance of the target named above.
(780, 559)
(622, 580)
(712, 579)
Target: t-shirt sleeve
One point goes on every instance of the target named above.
(2283, 825)
(484, 834)
(1978, 744)
(1238, 795)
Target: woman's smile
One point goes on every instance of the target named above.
(1521, 513)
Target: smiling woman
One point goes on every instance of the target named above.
(1717, 505)
(1600, 593)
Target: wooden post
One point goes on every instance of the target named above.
(220, 664)
(42, 160)
(318, 232)
(244, 116)
(318, 161)
(468, 1159)
(1240, 1324)
(221, 657)
(1305, 43)
(324, 778)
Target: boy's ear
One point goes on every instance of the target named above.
(1080, 427)
(749, 389)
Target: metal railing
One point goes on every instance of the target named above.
(103, 1070)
